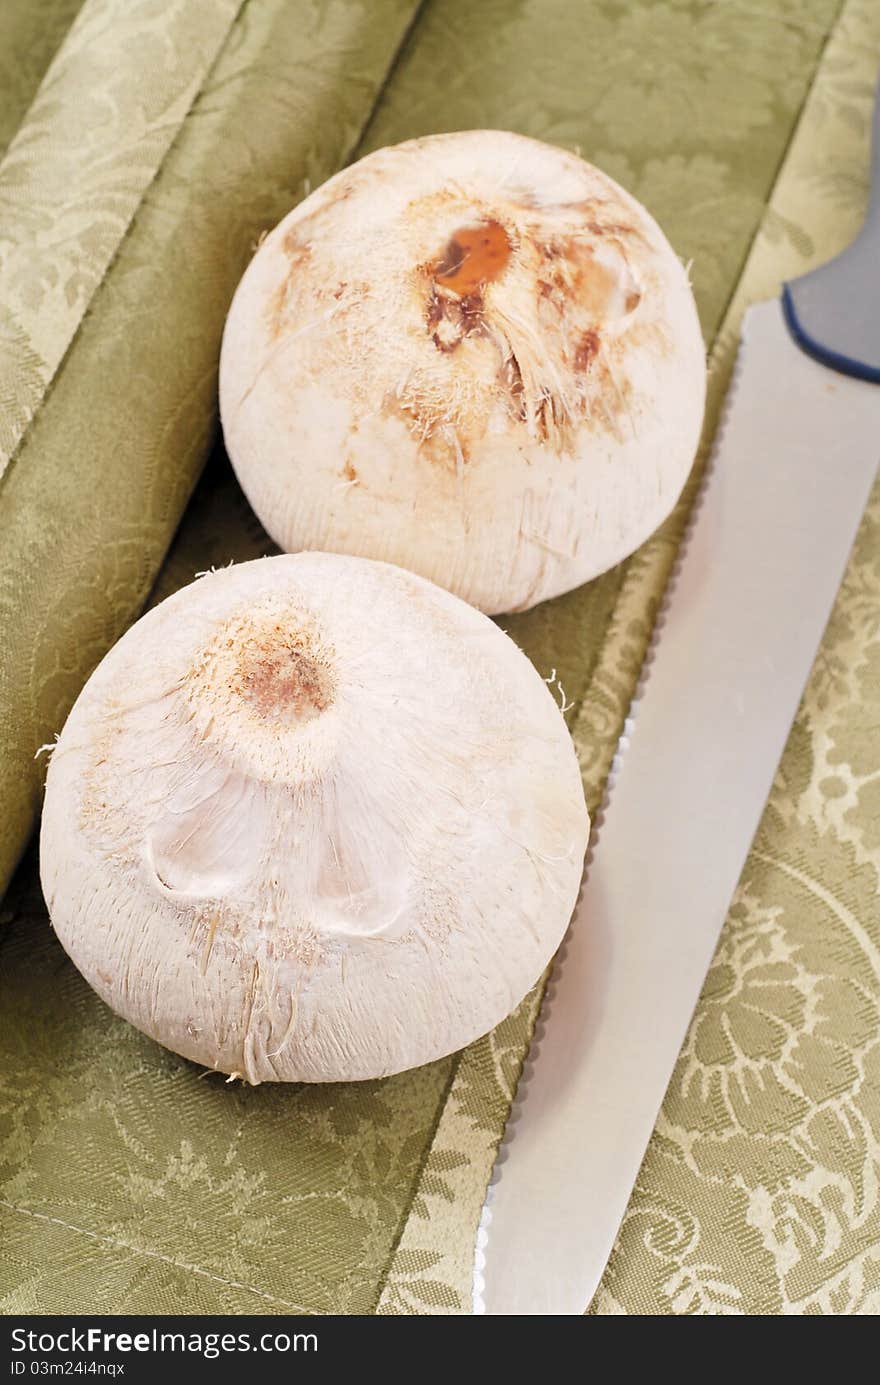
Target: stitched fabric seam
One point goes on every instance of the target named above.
(150, 1254)
(416, 1183)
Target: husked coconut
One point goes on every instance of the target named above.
(313, 819)
(473, 355)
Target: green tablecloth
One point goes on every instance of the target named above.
(127, 1181)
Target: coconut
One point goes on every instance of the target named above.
(313, 819)
(473, 355)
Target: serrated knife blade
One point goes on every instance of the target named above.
(789, 478)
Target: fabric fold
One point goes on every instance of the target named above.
(172, 1193)
(712, 1236)
(31, 31)
(76, 172)
(163, 141)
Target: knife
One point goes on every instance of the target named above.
(787, 482)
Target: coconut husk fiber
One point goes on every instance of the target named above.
(129, 1181)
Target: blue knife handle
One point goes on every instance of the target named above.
(833, 313)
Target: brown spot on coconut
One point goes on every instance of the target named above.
(474, 257)
(291, 847)
(453, 368)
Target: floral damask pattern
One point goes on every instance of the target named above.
(684, 102)
(759, 1192)
(107, 464)
(84, 165)
(131, 1182)
(758, 1011)
(29, 37)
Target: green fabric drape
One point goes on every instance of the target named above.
(163, 141)
(30, 34)
(130, 1183)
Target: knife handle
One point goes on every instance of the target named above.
(833, 313)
